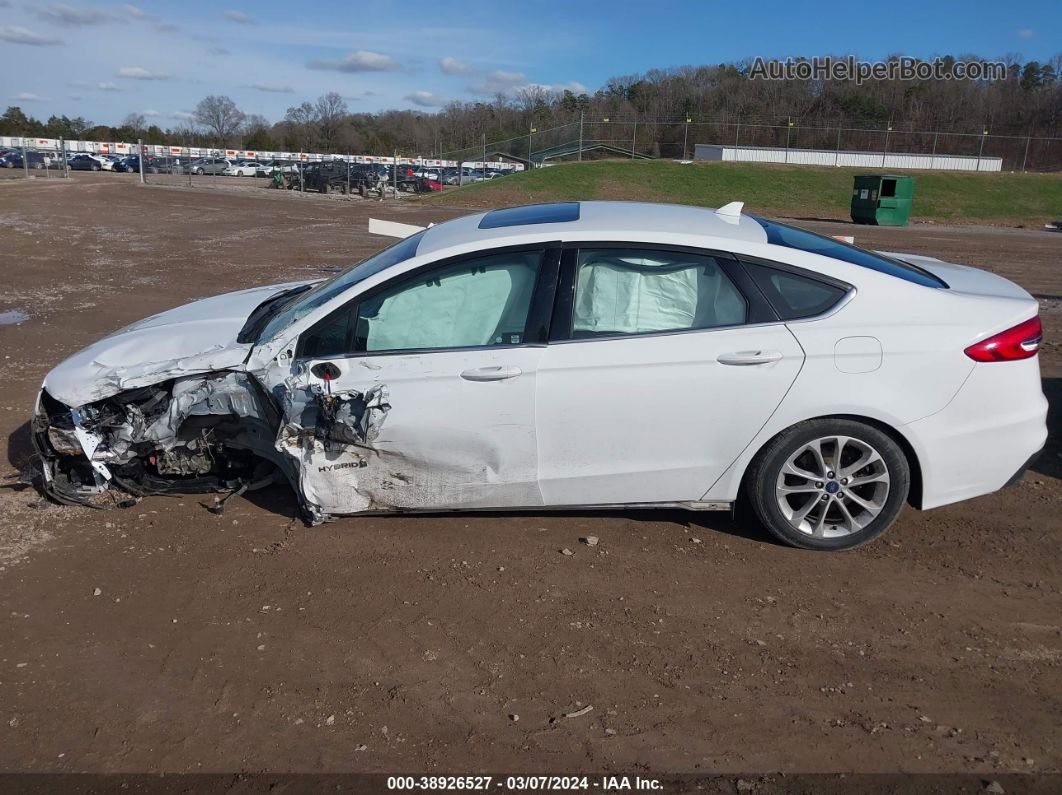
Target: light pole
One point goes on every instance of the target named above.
(685, 137)
(581, 134)
(530, 132)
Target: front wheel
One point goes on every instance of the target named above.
(200, 171)
(828, 484)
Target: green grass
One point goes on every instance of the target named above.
(787, 191)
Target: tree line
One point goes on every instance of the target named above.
(1026, 102)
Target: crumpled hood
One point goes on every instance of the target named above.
(194, 338)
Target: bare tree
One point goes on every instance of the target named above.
(219, 115)
(135, 122)
(330, 110)
(299, 126)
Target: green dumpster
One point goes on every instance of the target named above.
(882, 199)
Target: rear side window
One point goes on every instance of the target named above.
(645, 291)
(802, 240)
(794, 296)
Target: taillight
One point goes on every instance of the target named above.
(1020, 342)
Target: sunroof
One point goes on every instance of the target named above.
(531, 214)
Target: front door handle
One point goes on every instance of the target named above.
(744, 358)
(498, 373)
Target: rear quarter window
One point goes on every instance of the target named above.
(794, 295)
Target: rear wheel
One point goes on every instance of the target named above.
(828, 484)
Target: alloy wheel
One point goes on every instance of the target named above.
(832, 486)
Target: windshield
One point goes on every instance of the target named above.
(801, 240)
(330, 288)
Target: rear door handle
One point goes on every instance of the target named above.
(498, 373)
(744, 358)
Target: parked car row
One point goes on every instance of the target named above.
(13, 158)
(408, 177)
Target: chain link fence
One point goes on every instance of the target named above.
(604, 137)
(488, 158)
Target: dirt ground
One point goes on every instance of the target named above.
(165, 638)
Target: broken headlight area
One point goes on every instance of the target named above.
(213, 432)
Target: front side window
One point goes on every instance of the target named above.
(642, 291)
(476, 302)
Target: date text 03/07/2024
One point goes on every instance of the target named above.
(524, 783)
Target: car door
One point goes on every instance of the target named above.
(663, 366)
(420, 394)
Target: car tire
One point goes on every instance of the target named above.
(200, 171)
(806, 498)
(95, 168)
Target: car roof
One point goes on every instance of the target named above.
(604, 218)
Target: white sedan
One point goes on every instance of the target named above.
(588, 354)
(243, 168)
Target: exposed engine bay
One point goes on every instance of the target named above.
(215, 432)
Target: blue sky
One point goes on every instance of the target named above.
(103, 61)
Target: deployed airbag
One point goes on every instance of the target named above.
(628, 292)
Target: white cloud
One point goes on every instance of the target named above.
(167, 27)
(151, 112)
(17, 35)
(271, 88)
(360, 61)
(1026, 33)
(425, 99)
(108, 87)
(454, 66)
(183, 115)
(26, 96)
(572, 85)
(218, 51)
(500, 82)
(62, 14)
(140, 73)
(239, 18)
(135, 12)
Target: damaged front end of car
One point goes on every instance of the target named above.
(212, 432)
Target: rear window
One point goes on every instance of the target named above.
(802, 240)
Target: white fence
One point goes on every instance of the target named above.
(820, 157)
(193, 152)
